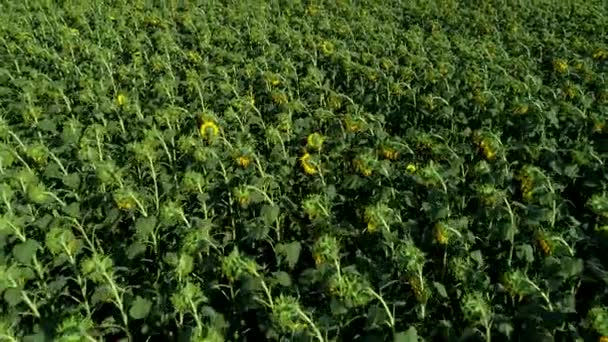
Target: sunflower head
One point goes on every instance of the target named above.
(314, 141)
(209, 129)
(243, 161)
(307, 164)
(121, 100)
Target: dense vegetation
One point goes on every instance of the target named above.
(284, 170)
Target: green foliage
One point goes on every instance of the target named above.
(295, 170)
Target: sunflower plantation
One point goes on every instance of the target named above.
(303, 171)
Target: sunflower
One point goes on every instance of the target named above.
(121, 100)
(209, 129)
(314, 141)
(389, 153)
(243, 161)
(308, 167)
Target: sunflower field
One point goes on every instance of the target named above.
(289, 170)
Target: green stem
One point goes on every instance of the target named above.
(311, 323)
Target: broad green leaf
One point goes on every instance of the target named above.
(411, 335)
(270, 213)
(72, 180)
(136, 249)
(72, 209)
(145, 226)
(140, 308)
(283, 278)
(291, 252)
(25, 251)
(102, 294)
(13, 296)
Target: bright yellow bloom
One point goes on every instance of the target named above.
(121, 100)
(603, 339)
(243, 161)
(598, 127)
(209, 129)
(411, 168)
(275, 82)
(306, 165)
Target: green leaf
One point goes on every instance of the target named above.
(270, 213)
(282, 278)
(411, 335)
(72, 209)
(291, 252)
(72, 180)
(525, 252)
(102, 294)
(440, 289)
(25, 251)
(140, 308)
(145, 226)
(135, 249)
(12, 296)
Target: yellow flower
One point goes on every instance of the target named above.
(243, 161)
(417, 288)
(306, 165)
(371, 226)
(314, 141)
(121, 100)
(279, 98)
(327, 47)
(560, 66)
(600, 54)
(527, 186)
(275, 82)
(441, 235)
(544, 246)
(522, 109)
(389, 153)
(209, 129)
(364, 170)
(125, 203)
(312, 10)
(411, 168)
(598, 127)
(318, 259)
(487, 149)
